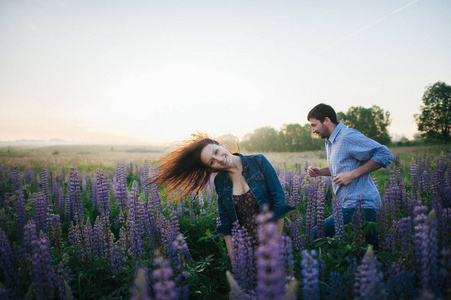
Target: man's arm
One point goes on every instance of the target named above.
(346, 178)
(315, 172)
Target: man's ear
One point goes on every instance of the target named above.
(327, 120)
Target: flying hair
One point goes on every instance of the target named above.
(181, 171)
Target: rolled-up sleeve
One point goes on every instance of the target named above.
(363, 148)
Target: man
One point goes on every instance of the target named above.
(351, 157)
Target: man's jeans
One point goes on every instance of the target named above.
(370, 215)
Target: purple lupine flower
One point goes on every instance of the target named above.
(201, 204)
(146, 180)
(401, 239)
(41, 213)
(42, 271)
(400, 284)
(243, 268)
(84, 184)
(349, 277)
(15, 178)
(62, 174)
(75, 236)
(57, 233)
(270, 283)
(95, 193)
(445, 227)
(413, 178)
(61, 283)
(310, 275)
(140, 288)
(286, 249)
(170, 233)
(154, 193)
(357, 224)
(319, 199)
(19, 209)
(8, 262)
(116, 253)
(295, 232)
(135, 222)
(338, 218)
(295, 196)
(97, 240)
(181, 275)
(163, 286)
(30, 176)
(103, 195)
(445, 269)
(441, 188)
(30, 234)
(179, 209)
(136, 243)
(59, 198)
(86, 240)
(73, 203)
(209, 197)
(368, 284)
(426, 241)
(44, 176)
(151, 228)
(121, 191)
(310, 217)
(335, 289)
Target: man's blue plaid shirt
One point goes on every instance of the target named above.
(348, 149)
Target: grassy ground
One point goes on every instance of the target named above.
(85, 157)
(90, 157)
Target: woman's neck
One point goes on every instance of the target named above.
(237, 165)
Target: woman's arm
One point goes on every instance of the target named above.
(228, 241)
(273, 185)
(279, 228)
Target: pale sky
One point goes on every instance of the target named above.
(155, 71)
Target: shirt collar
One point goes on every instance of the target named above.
(340, 126)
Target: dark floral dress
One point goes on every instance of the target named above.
(247, 209)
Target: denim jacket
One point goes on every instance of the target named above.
(263, 183)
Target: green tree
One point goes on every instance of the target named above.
(262, 139)
(292, 134)
(372, 122)
(434, 121)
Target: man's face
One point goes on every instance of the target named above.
(319, 128)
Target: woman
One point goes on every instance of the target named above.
(244, 184)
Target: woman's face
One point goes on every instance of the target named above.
(216, 157)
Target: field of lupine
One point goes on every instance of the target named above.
(69, 233)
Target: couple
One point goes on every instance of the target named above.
(245, 184)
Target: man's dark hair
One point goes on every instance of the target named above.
(321, 111)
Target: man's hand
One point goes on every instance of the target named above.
(344, 178)
(313, 172)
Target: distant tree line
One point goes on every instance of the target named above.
(434, 125)
(372, 122)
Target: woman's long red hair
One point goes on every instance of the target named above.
(182, 171)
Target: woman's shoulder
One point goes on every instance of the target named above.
(255, 157)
